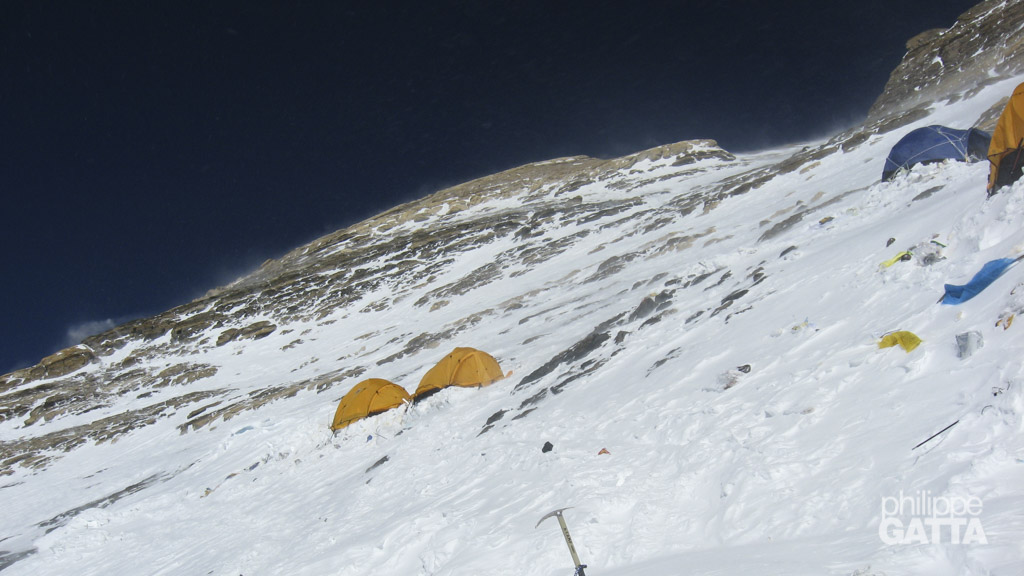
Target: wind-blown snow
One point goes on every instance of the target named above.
(710, 469)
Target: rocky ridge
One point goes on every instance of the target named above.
(985, 45)
(312, 283)
(69, 397)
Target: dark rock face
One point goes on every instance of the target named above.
(254, 331)
(986, 44)
(62, 363)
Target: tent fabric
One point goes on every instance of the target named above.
(957, 294)
(906, 340)
(1006, 150)
(1011, 168)
(368, 398)
(934, 144)
(465, 367)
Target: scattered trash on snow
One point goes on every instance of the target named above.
(968, 343)
(906, 340)
(989, 273)
(934, 435)
(1005, 321)
(901, 257)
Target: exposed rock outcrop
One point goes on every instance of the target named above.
(984, 45)
(254, 331)
(64, 362)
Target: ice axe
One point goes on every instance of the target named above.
(568, 539)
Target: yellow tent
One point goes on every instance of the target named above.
(1006, 150)
(906, 340)
(368, 398)
(466, 367)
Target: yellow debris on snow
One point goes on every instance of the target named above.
(906, 340)
(896, 258)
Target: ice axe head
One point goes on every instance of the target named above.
(550, 514)
(568, 539)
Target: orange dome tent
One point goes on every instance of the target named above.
(368, 398)
(465, 367)
(1006, 151)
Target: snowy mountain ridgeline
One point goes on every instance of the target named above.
(695, 333)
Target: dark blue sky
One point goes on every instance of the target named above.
(150, 151)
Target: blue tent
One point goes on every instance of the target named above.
(935, 144)
(987, 275)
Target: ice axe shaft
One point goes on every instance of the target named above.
(568, 538)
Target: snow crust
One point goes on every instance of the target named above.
(709, 469)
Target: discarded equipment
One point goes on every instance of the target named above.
(989, 273)
(906, 340)
(968, 343)
(934, 435)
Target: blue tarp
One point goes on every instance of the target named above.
(988, 274)
(934, 144)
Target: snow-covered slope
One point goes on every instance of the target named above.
(710, 322)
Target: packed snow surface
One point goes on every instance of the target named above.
(749, 425)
